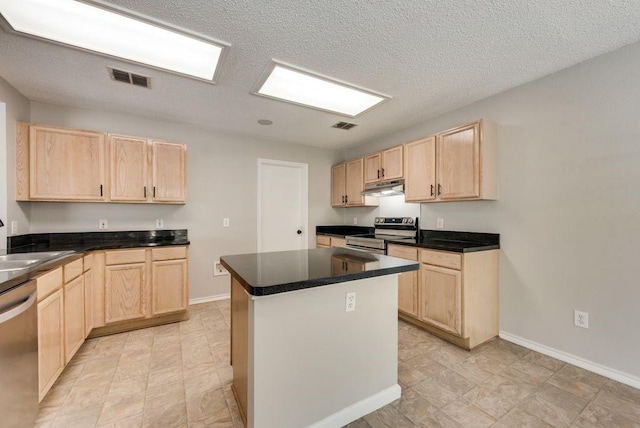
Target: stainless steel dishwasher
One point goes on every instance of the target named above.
(19, 357)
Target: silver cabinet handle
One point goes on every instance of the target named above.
(17, 310)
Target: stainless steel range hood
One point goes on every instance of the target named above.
(385, 188)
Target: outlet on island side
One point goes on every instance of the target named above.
(159, 223)
(103, 224)
(350, 302)
(581, 319)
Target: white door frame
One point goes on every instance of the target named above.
(305, 197)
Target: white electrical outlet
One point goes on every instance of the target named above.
(103, 224)
(225, 222)
(159, 223)
(350, 302)
(439, 223)
(355, 220)
(14, 227)
(581, 319)
(218, 269)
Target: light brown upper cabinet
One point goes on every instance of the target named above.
(57, 164)
(420, 167)
(338, 185)
(384, 165)
(129, 160)
(130, 166)
(169, 172)
(347, 184)
(455, 165)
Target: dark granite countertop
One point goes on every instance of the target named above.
(263, 274)
(341, 231)
(88, 241)
(444, 240)
(81, 242)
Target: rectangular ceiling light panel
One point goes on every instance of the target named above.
(300, 87)
(110, 33)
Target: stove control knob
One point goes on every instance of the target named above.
(404, 220)
(410, 221)
(377, 220)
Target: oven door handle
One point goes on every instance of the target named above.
(366, 250)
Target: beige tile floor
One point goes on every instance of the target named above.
(179, 375)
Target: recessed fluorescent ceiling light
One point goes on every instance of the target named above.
(301, 87)
(96, 29)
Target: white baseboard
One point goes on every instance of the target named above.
(359, 409)
(208, 299)
(614, 374)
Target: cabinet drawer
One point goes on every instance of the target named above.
(72, 270)
(169, 253)
(49, 282)
(441, 258)
(323, 240)
(88, 261)
(338, 242)
(403, 252)
(123, 257)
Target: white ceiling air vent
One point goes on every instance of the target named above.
(131, 78)
(344, 125)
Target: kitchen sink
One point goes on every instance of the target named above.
(19, 261)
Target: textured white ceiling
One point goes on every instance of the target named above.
(430, 56)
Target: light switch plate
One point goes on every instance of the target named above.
(439, 223)
(14, 227)
(159, 223)
(225, 222)
(103, 224)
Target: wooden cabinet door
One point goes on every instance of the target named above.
(392, 163)
(355, 184)
(169, 172)
(50, 340)
(125, 292)
(420, 170)
(128, 168)
(441, 298)
(169, 291)
(73, 317)
(459, 163)
(408, 297)
(88, 303)
(372, 168)
(66, 164)
(338, 185)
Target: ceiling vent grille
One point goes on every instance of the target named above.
(127, 77)
(344, 125)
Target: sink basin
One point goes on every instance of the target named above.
(9, 265)
(19, 261)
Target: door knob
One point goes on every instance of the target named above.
(299, 232)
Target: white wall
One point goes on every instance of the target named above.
(221, 182)
(13, 107)
(568, 209)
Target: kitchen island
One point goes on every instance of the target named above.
(300, 355)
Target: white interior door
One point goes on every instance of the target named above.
(282, 206)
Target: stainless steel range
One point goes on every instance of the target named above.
(387, 229)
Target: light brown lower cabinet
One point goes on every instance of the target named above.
(324, 241)
(407, 281)
(142, 287)
(73, 317)
(169, 291)
(61, 320)
(454, 295)
(50, 341)
(125, 288)
(106, 292)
